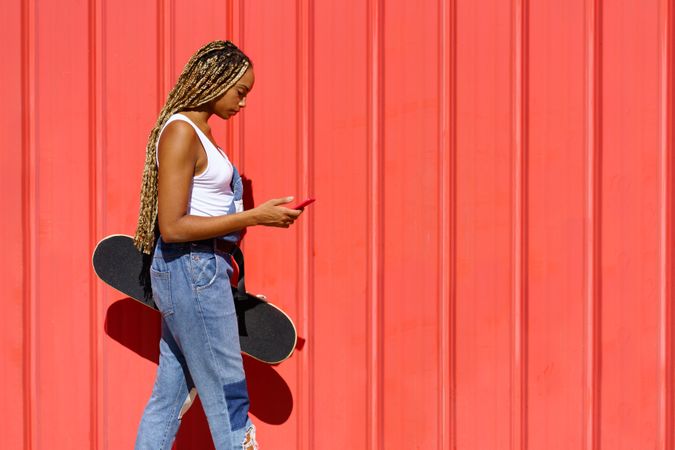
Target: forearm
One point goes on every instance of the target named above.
(194, 228)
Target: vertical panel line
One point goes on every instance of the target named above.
(520, 229)
(28, 219)
(235, 129)
(447, 421)
(665, 377)
(165, 50)
(96, 189)
(374, 304)
(160, 54)
(592, 236)
(240, 33)
(304, 112)
(229, 24)
(169, 47)
(592, 232)
(229, 34)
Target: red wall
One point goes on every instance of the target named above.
(488, 264)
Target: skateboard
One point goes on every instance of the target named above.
(266, 333)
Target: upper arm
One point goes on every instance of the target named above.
(177, 158)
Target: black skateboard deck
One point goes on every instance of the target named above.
(266, 333)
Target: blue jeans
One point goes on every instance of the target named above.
(199, 348)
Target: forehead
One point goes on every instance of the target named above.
(247, 79)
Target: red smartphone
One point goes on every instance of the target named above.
(305, 203)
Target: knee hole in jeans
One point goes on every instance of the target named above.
(249, 440)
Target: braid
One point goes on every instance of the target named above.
(211, 71)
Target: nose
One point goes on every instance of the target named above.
(242, 102)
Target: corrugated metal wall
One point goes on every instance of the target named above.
(488, 264)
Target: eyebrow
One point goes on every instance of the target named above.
(244, 86)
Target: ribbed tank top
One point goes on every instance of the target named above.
(211, 193)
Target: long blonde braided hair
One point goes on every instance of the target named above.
(211, 71)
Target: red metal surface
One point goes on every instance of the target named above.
(488, 264)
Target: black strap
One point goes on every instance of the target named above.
(241, 285)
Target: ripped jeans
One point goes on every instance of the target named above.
(199, 348)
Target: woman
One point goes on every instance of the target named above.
(189, 220)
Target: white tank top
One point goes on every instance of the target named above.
(211, 193)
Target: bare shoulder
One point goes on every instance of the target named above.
(178, 140)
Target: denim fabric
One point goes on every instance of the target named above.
(238, 191)
(199, 347)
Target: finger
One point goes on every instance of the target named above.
(289, 211)
(282, 201)
(292, 212)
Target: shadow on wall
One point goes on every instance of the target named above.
(137, 327)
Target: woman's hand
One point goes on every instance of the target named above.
(271, 214)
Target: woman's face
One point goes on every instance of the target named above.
(228, 104)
